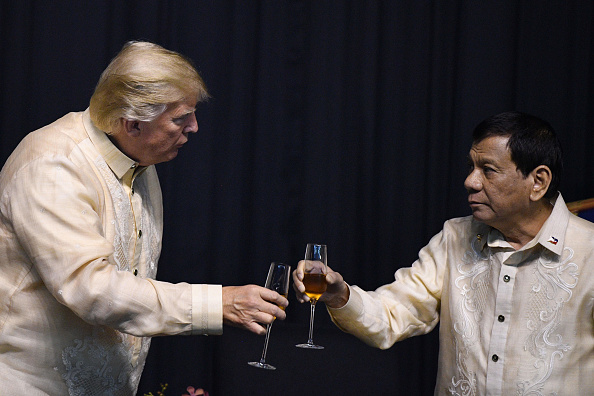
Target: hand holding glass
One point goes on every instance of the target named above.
(277, 280)
(314, 280)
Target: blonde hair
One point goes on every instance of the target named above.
(140, 82)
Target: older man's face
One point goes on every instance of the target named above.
(498, 193)
(161, 139)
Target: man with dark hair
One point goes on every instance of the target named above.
(511, 286)
(532, 142)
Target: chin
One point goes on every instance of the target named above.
(170, 157)
(476, 218)
(480, 217)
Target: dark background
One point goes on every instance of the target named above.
(337, 122)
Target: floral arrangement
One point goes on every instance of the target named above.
(190, 389)
(195, 392)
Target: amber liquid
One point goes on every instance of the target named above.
(315, 285)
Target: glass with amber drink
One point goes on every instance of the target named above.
(314, 280)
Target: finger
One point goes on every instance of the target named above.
(256, 328)
(278, 312)
(265, 318)
(333, 278)
(299, 270)
(299, 287)
(271, 306)
(280, 301)
(299, 293)
(301, 298)
(298, 281)
(281, 315)
(273, 297)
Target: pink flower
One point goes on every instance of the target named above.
(195, 392)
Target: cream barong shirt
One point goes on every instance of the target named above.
(80, 237)
(511, 322)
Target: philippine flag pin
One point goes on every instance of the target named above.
(553, 240)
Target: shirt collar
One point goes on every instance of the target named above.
(118, 162)
(551, 235)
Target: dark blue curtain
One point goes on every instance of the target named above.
(341, 122)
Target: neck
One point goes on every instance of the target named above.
(119, 139)
(522, 231)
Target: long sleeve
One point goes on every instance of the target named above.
(57, 211)
(80, 238)
(407, 307)
(510, 321)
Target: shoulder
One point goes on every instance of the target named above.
(465, 225)
(579, 229)
(582, 224)
(53, 143)
(58, 138)
(461, 232)
(61, 134)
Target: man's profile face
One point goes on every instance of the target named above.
(498, 193)
(160, 139)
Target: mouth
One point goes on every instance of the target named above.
(474, 204)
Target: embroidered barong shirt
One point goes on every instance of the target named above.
(80, 237)
(511, 322)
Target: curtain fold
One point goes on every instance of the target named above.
(341, 122)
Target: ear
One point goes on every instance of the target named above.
(131, 127)
(541, 175)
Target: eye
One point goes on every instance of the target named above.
(488, 169)
(179, 120)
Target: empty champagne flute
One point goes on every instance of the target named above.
(277, 280)
(314, 280)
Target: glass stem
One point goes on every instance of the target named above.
(311, 320)
(263, 358)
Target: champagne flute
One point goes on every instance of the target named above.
(277, 280)
(314, 279)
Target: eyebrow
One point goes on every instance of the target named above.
(185, 113)
(482, 159)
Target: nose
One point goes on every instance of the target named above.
(192, 126)
(473, 182)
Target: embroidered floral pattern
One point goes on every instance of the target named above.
(98, 365)
(551, 289)
(474, 285)
(109, 362)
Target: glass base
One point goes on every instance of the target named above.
(309, 346)
(262, 365)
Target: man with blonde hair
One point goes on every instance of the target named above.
(80, 236)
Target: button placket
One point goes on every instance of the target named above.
(504, 285)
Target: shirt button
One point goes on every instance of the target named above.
(139, 233)
(501, 318)
(132, 190)
(506, 278)
(495, 358)
(135, 272)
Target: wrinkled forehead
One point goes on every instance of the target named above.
(185, 106)
(491, 149)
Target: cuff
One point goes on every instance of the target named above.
(353, 307)
(207, 309)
